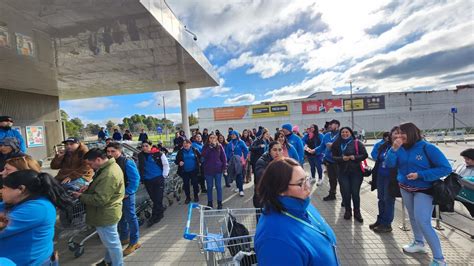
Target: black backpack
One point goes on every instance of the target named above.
(237, 229)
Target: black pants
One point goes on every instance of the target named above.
(332, 175)
(155, 188)
(193, 178)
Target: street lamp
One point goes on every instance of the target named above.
(164, 117)
(352, 107)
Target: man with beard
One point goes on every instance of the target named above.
(6, 131)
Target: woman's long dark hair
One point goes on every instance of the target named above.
(413, 134)
(39, 184)
(336, 146)
(389, 142)
(274, 181)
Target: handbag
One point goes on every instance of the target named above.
(364, 167)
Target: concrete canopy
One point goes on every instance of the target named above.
(85, 49)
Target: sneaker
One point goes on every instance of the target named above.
(209, 204)
(196, 199)
(320, 182)
(313, 180)
(236, 190)
(438, 263)
(154, 220)
(383, 229)
(103, 263)
(203, 190)
(347, 214)
(125, 241)
(131, 248)
(219, 205)
(187, 201)
(227, 185)
(414, 247)
(241, 193)
(329, 197)
(372, 226)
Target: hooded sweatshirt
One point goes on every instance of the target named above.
(296, 142)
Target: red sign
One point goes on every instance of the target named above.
(322, 106)
(229, 113)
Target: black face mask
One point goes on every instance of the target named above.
(6, 128)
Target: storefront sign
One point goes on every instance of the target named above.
(4, 38)
(270, 110)
(230, 113)
(24, 45)
(322, 106)
(34, 136)
(367, 103)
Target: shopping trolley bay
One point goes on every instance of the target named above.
(196, 235)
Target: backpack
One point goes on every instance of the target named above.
(237, 229)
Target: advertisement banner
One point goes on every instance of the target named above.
(35, 136)
(24, 45)
(322, 106)
(4, 38)
(270, 110)
(367, 103)
(230, 113)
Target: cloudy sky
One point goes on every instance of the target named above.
(278, 50)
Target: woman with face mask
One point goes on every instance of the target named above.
(214, 165)
(28, 216)
(284, 191)
(348, 153)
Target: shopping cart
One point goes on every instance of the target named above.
(226, 237)
(173, 190)
(73, 225)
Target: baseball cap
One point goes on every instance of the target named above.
(6, 118)
(71, 139)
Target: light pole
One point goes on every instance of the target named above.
(352, 107)
(164, 117)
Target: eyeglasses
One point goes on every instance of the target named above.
(305, 181)
(277, 149)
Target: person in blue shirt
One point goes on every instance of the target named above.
(153, 168)
(6, 131)
(331, 166)
(237, 147)
(188, 160)
(29, 209)
(294, 140)
(102, 135)
(311, 141)
(419, 164)
(117, 136)
(381, 180)
(128, 225)
(290, 230)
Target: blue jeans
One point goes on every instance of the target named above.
(210, 179)
(315, 163)
(128, 225)
(110, 238)
(350, 183)
(239, 181)
(386, 202)
(420, 207)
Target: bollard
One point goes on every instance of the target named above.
(404, 226)
(438, 220)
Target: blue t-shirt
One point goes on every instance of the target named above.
(189, 159)
(28, 238)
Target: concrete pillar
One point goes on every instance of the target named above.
(184, 108)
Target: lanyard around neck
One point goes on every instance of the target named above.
(317, 229)
(344, 147)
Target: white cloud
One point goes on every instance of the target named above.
(240, 99)
(75, 108)
(144, 104)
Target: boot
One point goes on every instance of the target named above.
(358, 216)
(219, 205)
(348, 214)
(209, 204)
(188, 200)
(372, 226)
(330, 197)
(196, 198)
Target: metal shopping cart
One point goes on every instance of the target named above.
(73, 225)
(226, 237)
(173, 190)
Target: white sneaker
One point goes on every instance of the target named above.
(236, 190)
(438, 263)
(241, 193)
(313, 180)
(414, 247)
(320, 182)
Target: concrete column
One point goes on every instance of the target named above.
(184, 108)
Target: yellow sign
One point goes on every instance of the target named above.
(357, 103)
(272, 110)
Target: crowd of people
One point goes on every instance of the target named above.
(106, 181)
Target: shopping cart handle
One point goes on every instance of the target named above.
(187, 235)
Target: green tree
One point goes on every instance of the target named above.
(110, 126)
(92, 129)
(193, 120)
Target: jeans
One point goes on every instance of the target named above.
(111, 240)
(128, 225)
(155, 188)
(350, 183)
(315, 163)
(239, 181)
(420, 207)
(210, 179)
(193, 178)
(332, 174)
(386, 201)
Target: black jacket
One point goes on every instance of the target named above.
(260, 167)
(256, 151)
(179, 158)
(349, 166)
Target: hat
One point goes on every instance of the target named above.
(296, 129)
(6, 118)
(71, 139)
(288, 127)
(234, 132)
(12, 142)
(469, 153)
